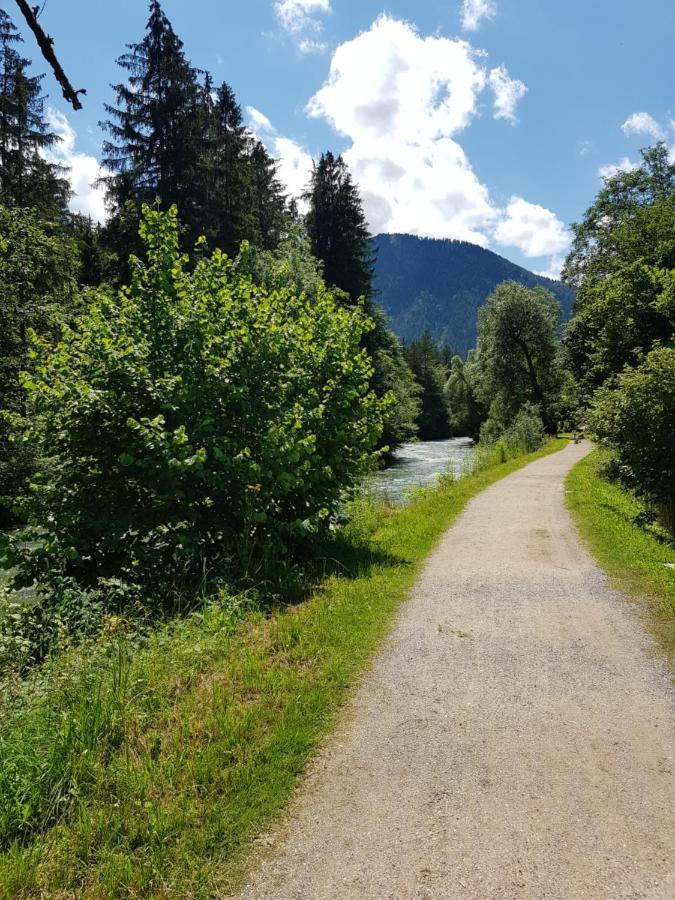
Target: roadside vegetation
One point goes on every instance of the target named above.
(627, 540)
(145, 766)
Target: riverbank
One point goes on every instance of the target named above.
(639, 557)
(161, 764)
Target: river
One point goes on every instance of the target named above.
(419, 464)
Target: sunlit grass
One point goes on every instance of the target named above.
(162, 763)
(635, 555)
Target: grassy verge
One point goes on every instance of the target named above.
(149, 771)
(633, 554)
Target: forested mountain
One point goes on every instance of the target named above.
(438, 286)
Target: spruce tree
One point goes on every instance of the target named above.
(153, 150)
(268, 200)
(226, 174)
(26, 178)
(337, 228)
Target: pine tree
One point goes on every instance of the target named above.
(338, 230)
(26, 178)
(226, 174)
(268, 200)
(154, 149)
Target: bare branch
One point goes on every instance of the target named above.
(46, 45)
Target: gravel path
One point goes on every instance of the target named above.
(514, 739)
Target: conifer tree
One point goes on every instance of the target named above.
(426, 361)
(153, 149)
(226, 175)
(337, 228)
(268, 200)
(26, 178)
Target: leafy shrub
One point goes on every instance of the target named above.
(193, 421)
(634, 416)
(524, 434)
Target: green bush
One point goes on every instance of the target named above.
(191, 422)
(634, 415)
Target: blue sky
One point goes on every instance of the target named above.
(489, 120)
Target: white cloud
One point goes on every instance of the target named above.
(300, 18)
(84, 169)
(554, 268)
(508, 92)
(612, 169)
(257, 120)
(533, 229)
(643, 124)
(294, 164)
(473, 11)
(415, 95)
(401, 101)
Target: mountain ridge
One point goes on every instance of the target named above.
(439, 285)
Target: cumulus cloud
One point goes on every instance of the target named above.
(84, 170)
(474, 11)
(533, 229)
(301, 19)
(642, 123)
(294, 164)
(507, 91)
(414, 95)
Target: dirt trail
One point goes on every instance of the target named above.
(514, 739)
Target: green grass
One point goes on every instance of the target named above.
(149, 771)
(633, 554)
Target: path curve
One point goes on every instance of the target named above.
(513, 740)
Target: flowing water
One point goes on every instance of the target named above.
(419, 464)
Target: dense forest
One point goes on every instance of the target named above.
(438, 286)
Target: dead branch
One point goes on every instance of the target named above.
(46, 45)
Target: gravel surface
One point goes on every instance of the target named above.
(514, 739)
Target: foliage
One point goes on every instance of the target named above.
(162, 763)
(424, 284)
(634, 415)
(623, 262)
(192, 420)
(613, 523)
(426, 361)
(26, 178)
(518, 350)
(393, 377)
(38, 268)
(466, 411)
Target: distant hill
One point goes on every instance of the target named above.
(440, 285)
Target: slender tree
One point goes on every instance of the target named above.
(338, 230)
(426, 361)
